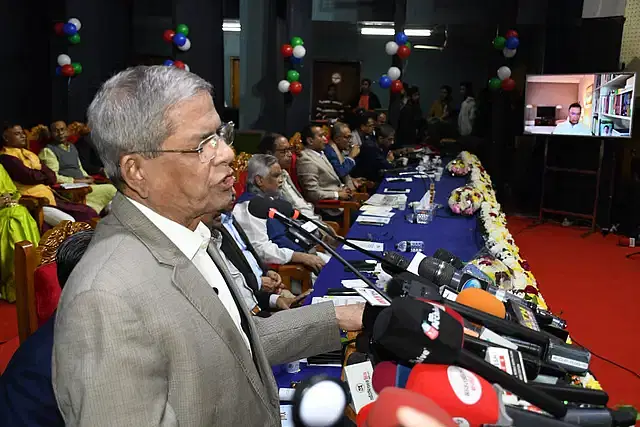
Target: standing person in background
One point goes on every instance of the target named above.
(411, 122)
(442, 107)
(367, 99)
(397, 105)
(381, 118)
(467, 114)
(330, 108)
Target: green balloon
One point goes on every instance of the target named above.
(77, 67)
(297, 41)
(293, 76)
(499, 42)
(182, 29)
(74, 39)
(409, 45)
(495, 83)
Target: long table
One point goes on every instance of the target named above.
(460, 235)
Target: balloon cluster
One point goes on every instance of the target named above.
(67, 68)
(508, 45)
(178, 37)
(69, 29)
(178, 64)
(401, 47)
(294, 51)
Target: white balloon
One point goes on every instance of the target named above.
(63, 59)
(504, 72)
(76, 22)
(391, 48)
(299, 51)
(394, 73)
(509, 53)
(186, 67)
(186, 46)
(283, 86)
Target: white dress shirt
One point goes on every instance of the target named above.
(194, 244)
(467, 116)
(566, 128)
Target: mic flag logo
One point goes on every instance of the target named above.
(432, 326)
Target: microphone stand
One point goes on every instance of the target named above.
(290, 223)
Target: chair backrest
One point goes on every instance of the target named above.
(241, 183)
(293, 171)
(27, 260)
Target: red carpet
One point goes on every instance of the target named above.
(588, 280)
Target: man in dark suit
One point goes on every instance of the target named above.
(26, 393)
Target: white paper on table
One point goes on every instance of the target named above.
(72, 185)
(366, 245)
(373, 297)
(338, 300)
(400, 179)
(354, 283)
(369, 209)
(380, 214)
(397, 191)
(286, 416)
(374, 219)
(415, 263)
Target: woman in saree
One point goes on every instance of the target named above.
(16, 224)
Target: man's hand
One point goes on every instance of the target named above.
(350, 317)
(344, 194)
(313, 262)
(409, 417)
(355, 150)
(390, 156)
(358, 182)
(276, 278)
(285, 303)
(268, 285)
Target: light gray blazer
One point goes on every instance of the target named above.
(141, 339)
(317, 177)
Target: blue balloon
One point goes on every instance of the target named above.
(385, 82)
(168, 62)
(401, 38)
(295, 60)
(58, 70)
(179, 39)
(70, 29)
(512, 43)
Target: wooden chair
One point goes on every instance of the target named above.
(27, 260)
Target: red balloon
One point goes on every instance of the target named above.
(396, 86)
(508, 84)
(179, 64)
(404, 51)
(295, 88)
(67, 70)
(59, 28)
(511, 33)
(168, 35)
(286, 50)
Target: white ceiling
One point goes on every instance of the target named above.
(564, 78)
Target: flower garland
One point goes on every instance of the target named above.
(458, 167)
(465, 200)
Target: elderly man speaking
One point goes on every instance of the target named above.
(151, 329)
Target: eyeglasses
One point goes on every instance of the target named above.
(208, 147)
(284, 150)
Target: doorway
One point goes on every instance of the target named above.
(235, 81)
(327, 72)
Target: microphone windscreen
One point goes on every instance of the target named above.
(260, 206)
(483, 301)
(370, 315)
(458, 391)
(415, 331)
(363, 414)
(284, 207)
(383, 412)
(356, 357)
(384, 375)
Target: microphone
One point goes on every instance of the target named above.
(389, 374)
(482, 300)
(449, 258)
(415, 332)
(444, 274)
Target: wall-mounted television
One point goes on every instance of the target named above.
(598, 105)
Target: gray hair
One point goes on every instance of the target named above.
(339, 129)
(129, 112)
(259, 165)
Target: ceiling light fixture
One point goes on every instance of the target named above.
(427, 47)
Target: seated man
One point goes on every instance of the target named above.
(341, 142)
(269, 236)
(376, 156)
(262, 289)
(62, 158)
(26, 393)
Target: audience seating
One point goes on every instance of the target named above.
(37, 288)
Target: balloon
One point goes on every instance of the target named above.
(179, 64)
(297, 41)
(67, 70)
(299, 51)
(77, 68)
(404, 52)
(495, 83)
(295, 88)
(182, 29)
(286, 50)
(76, 22)
(179, 39)
(511, 33)
(283, 86)
(168, 62)
(187, 68)
(186, 46)
(59, 28)
(385, 81)
(508, 84)
(504, 72)
(509, 53)
(391, 48)
(499, 42)
(69, 29)
(293, 76)
(63, 59)
(295, 60)
(74, 39)
(394, 73)
(58, 70)
(396, 86)
(401, 38)
(168, 35)
(409, 45)
(512, 43)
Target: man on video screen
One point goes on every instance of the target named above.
(573, 125)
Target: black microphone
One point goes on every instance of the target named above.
(444, 274)
(448, 257)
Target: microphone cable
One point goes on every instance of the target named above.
(617, 365)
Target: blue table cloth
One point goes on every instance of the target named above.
(459, 235)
